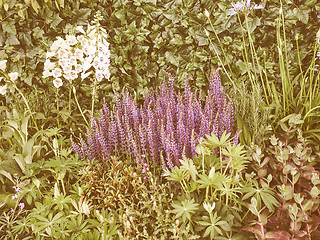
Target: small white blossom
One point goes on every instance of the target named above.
(57, 72)
(13, 76)
(46, 73)
(73, 61)
(68, 76)
(3, 65)
(78, 53)
(63, 62)
(84, 43)
(73, 74)
(48, 65)
(71, 40)
(80, 29)
(99, 75)
(63, 53)
(78, 68)
(57, 82)
(3, 89)
(67, 68)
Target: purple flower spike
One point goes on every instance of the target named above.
(164, 128)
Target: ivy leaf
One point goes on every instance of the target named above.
(55, 21)
(172, 58)
(12, 40)
(37, 33)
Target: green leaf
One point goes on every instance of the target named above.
(12, 40)
(35, 5)
(55, 21)
(174, 60)
(61, 3)
(6, 174)
(9, 27)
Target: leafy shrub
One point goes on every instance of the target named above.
(167, 126)
(138, 205)
(50, 204)
(293, 172)
(212, 199)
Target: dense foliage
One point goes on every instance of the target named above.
(157, 162)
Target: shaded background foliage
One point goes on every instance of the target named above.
(148, 36)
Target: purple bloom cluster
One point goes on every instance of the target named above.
(167, 126)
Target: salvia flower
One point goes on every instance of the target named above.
(161, 131)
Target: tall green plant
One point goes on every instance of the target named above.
(294, 93)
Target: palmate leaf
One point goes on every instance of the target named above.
(215, 180)
(184, 209)
(188, 165)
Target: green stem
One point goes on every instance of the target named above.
(217, 37)
(58, 110)
(75, 96)
(94, 92)
(245, 55)
(222, 65)
(26, 102)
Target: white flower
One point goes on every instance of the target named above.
(90, 50)
(95, 63)
(48, 65)
(57, 82)
(50, 54)
(78, 53)
(78, 68)
(87, 64)
(46, 73)
(63, 62)
(57, 72)
(57, 44)
(71, 40)
(63, 53)
(3, 89)
(73, 60)
(3, 65)
(99, 75)
(79, 38)
(84, 43)
(73, 74)
(80, 29)
(13, 76)
(67, 68)
(68, 76)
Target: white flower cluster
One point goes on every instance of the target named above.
(13, 76)
(76, 55)
(244, 6)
